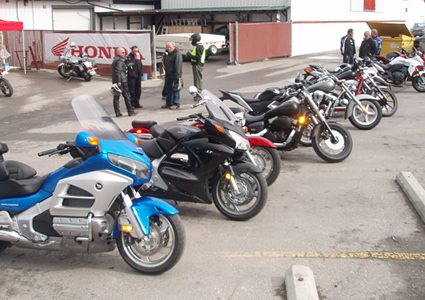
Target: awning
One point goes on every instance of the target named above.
(11, 25)
(15, 26)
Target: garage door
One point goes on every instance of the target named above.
(77, 19)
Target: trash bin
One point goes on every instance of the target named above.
(394, 36)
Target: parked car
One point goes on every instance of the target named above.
(418, 29)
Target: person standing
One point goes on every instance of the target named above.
(378, 41)
(197, 57)
(368, 46)
(173, 71)
(348, 47)
(134, 76)
(119, 77)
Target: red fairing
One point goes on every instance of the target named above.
(260, 141)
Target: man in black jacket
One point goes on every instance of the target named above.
(348, 47)
(368, 46)
(173, 71)
(119, 76)
(134, 75)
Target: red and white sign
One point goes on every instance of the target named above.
(101, 47)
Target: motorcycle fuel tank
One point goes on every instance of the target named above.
(287, 108)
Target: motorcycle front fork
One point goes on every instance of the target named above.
(230, 175)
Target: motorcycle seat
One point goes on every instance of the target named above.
(143, 124)
(253, 119)
(10, 187)
(157, 130)
(151, 148)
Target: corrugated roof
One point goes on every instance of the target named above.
(198, 10)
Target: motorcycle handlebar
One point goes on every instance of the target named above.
(60, 149)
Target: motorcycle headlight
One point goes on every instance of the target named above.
(138, 168)
(242, 143)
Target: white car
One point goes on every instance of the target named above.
(213, 43)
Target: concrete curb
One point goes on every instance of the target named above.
(413, 191)
(300, 283)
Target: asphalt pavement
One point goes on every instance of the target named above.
(350, 223)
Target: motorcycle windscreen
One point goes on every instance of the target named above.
(93, 117)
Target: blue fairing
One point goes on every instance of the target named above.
(22, 203)
(146, 207)
(100, 161)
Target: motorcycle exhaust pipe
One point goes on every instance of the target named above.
(9, 236)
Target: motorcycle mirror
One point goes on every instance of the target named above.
(193, 90)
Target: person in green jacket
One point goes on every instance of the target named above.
(197, 57)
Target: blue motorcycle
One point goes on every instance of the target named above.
(90, 205)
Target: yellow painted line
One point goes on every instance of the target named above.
(362, 255)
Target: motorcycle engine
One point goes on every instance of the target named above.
(397, 77)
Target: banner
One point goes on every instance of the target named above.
(100, 47)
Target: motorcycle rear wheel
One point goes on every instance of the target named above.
(247, 204)
(368, 119)
(159, 251)
(418, 83)
(6, 87)
(268, 160)
(332, 151)
(64, 71)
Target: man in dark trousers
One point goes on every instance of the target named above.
(197, 57)
(348, 47)
(173, 71)
(119, 77)
(368, 46)
(134, 75)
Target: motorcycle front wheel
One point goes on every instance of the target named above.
(368, 118)
(157, 252)
(391, 104)
(332, 150)
(305, 139)
(268, 160)
(418, 83)
(244, 204)
(6, 87)
(64, 71)
(86, 76)
(3, 246)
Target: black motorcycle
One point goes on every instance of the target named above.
(73, 66)
(5, 86)
(205, 163)
(289, 115)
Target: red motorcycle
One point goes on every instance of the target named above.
(262, 153)
(5, 85)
